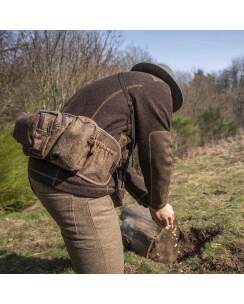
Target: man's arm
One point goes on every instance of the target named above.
(153, 112)
(134, 184)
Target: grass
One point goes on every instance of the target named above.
(207, 193)
(14, 185)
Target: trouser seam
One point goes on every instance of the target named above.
(73, 211)
(97, 237)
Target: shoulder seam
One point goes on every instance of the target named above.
(112, 96)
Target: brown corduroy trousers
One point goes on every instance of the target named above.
(89, 227)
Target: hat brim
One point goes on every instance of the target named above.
(159, 72)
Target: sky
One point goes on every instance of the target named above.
(189, 50)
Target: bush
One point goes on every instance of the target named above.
(185, 134)
(14, 185)
(213, 126)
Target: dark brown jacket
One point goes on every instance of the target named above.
(105, 102)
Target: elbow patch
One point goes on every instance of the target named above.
(161, 160)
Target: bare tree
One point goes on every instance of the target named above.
(132, 55)
(63, 61)
(43, 69)
(231, 82)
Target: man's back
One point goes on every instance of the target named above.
(104, 100)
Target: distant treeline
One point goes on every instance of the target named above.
(213, 106)
(43, 69)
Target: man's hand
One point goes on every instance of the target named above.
(164, 217)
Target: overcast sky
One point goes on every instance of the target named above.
(189, 50)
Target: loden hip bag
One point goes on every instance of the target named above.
(73, 143)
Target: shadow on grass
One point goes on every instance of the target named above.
(10, 262)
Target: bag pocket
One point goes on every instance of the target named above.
(38, 132)
(40, 135)
(71, 149)
(103, 158)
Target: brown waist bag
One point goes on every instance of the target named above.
(74, 143)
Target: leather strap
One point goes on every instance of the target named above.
(132, 118)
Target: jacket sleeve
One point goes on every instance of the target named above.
(134, 184)
(153, 111)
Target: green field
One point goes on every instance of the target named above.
(207, 193)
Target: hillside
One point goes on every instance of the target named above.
(207, 193)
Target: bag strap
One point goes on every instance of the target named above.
(132, 118)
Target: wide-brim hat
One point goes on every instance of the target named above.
(166, 74)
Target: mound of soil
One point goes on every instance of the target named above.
(191, 241)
